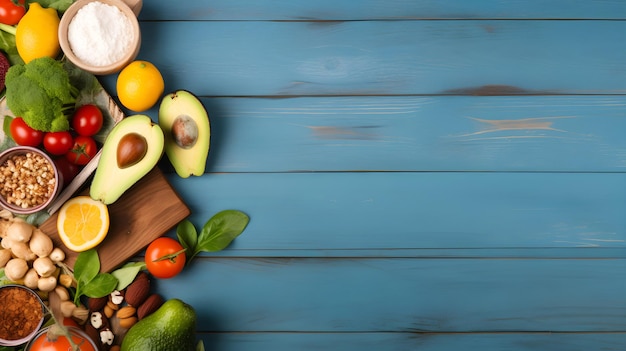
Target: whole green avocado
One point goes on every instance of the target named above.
(170, 328)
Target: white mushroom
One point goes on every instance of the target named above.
(44, 266)
(21, 250)
(15, 269)
(6, 243)
(19, 230)
(57, 255)
(31, 279)
(5, 256)
(47, 284)
(40, 243)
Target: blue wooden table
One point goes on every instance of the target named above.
(420, 175)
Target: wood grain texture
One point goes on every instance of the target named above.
(405, 295)
(419, 175)
(143, 213)
(323, 10)
(395, 211)
(388, 58)
(413, 341)
(418, 133)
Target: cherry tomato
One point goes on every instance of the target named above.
(11, 13)
(83, 151)
(165, 257)
(23, 134)
(67, 169)
(58, 143)
(43, 343)
(87, 120)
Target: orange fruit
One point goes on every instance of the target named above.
(36, 35)
(140, 85)
(82, 223)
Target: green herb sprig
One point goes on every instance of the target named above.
(216, 234)
(89, 281)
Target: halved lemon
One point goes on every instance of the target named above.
(82, 223)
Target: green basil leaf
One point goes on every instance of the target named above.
(102, 285)
(87, 266)
(127, 274)
(187, 235)
(221, 230)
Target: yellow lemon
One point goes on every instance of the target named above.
(139, 85)
(36, 34)
(82, 223)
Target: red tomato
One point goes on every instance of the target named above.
(11, 13)
(165, 258)
(83, 151)
(67, 169)
(58, 143)
(42, 343)
(87, 120)
(23, 134)
(68, 321)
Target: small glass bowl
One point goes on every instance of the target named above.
(79, 337)
(22, 150)
(115, 67)
(24, 308)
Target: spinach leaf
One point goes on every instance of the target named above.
(89, 282)
(218, 232)
(187, 235)
(221, 230)
(87, 266)
(101, 285)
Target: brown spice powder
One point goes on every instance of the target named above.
(20, 313)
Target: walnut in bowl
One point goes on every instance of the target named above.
(29, 180)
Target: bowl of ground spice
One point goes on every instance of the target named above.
(29, 180)
(21, 314)
(100, 36)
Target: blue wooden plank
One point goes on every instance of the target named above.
(300, 212)
(413, 341)
(297, 10)
(417, 133)
(404, 295)
(387, 58)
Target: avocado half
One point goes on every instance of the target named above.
(131, 150)
(187, 130)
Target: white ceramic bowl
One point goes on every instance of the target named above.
(115, 67)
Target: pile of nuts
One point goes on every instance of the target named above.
(111, 316)
(28, 180)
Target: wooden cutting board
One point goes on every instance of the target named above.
(145, 212)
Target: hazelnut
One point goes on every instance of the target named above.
(97, 303)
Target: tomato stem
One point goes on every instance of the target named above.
(170, 257)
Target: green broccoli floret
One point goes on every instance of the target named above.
(41, 93)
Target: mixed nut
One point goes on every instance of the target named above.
(111, 316)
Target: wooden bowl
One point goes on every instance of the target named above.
(128, 56)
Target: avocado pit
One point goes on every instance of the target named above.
(185, 131)
(131, 149)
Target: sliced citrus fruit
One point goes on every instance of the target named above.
(82, 223)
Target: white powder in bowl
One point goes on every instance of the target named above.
(100, 34)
